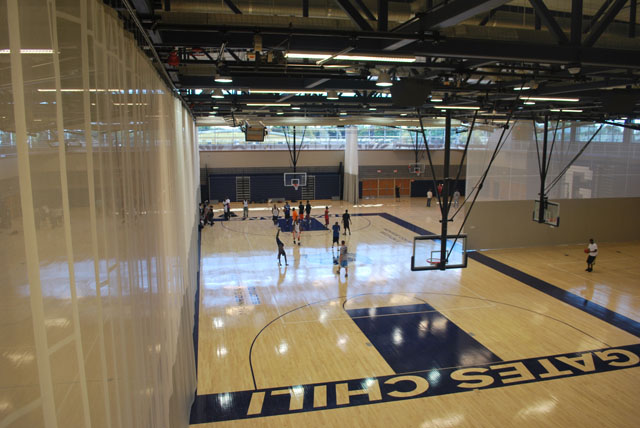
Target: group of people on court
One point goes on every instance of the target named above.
(295, 218)
(455, 196)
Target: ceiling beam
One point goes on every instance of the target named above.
(597, 16)
(602, 25)
(576, 22)
(383, 15)
(549, 21)
(632, 18)
(233, 7)
(355, 16)
(143, 7)
(365, 10)
(451, 14)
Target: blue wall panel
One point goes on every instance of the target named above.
(222, 186)
(268, 186)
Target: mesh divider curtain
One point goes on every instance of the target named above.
(98, 220)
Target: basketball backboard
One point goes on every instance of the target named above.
(427, 252)
(417, 168)
(295, 179)
(551, 213)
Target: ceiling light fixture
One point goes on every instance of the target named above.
(459, 107)
(529, 103)
(220, 78)
(280, 113)
(436, 100)
(565, 100)
(286, 91)
(522, 88)
(343, 113)
(384, 80)
(295, 108)
(332, 95)
(372, 109)
(28, 51)
(217, 93)
(351, 57)
(268, 105)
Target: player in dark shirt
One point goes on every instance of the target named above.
(281, 250)
(346, 222)
(336, 234)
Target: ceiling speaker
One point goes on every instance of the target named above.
(410, 92)
(620, 101)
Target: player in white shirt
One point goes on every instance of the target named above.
(296, 231)
(593, 253)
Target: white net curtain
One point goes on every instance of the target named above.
(608, 168)
(98, 184)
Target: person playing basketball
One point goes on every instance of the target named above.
(296, 231)
(326, 217)
(281, 250)
(346, 222)
(343, 263)
(336, 235)
(294, 215)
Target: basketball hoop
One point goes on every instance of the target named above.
(295, 183)
(433, 261)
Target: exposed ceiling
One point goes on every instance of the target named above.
(285, 58)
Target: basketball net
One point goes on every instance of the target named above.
(295, 186)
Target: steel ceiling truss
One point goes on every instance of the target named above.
(462, 71)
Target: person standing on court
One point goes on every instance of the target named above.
(342, 262)
(294, 215)
(456, 198)
(296, 231)
(301, 211)
(397, 192)
(326, 217)
(592, 249)
(308, 210)
(274, 214)
(287, 212)
(346, 222)
(336, 235)
(281, 252)
(245, 209)
(440, 190)
(429, 196)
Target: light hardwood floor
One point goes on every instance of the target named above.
(273, 340)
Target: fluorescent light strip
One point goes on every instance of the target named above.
(566, 100)
(436, 100)
(524, 88)
(268, 105)
(28, 51)
(459, 108)
(286, 91)
(81, 90)
(351, 57)
(564, 110)
(130, 104)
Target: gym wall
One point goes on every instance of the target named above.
(509, 224)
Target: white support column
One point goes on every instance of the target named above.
(351, 165)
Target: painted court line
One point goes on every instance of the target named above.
(330, 395)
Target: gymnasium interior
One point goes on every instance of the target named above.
(469, 175)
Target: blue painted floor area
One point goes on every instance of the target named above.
(417, 337)
(308, 225)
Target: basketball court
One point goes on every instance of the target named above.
(521, 337)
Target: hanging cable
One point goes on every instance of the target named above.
(464, 155)
(433, 172)
(553, 142)
(566, 168)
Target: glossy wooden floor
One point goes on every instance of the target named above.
(268, 328)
